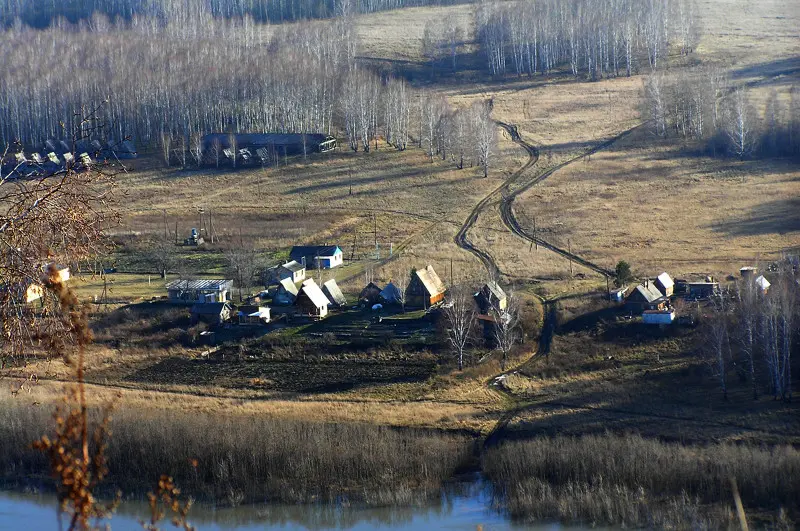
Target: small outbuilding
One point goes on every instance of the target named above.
(658, 316)
(665, 284)
(490, 297)
(253, 315)
(286, 293)
(371, 294)
(331, 290)
(701, 290)
(645, 297)
(212, 313)
(317, 256)
(311, 300)
(762, 284)
(199, 291)
(748, 272)
(391, 294)
(293, 270)
(425, 288)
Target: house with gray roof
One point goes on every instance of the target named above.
(645, 297)
(199, 291)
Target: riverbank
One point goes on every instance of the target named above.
(232, 460)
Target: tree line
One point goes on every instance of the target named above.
(596, 38)
(754, 329)
(42, 14)
(704, 105)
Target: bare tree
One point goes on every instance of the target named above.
(740, 122)
(401, 277)
(166, 146)
(719, 342)
(484, 135)
(242, 265)
(459, 311)
(506, 327)
(163, 256)
(196, 148)
(748, 327)
(54, 218)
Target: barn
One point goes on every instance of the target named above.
(425, 288)
(665, 284)
(267, 147)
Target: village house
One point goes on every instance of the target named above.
(311, 300)
(490, 296)
(199, 291)
(317, 256)
(292, 270)
(331, 290)
(285, 293)
(212, 313)
(370, 295)
(425, 288)
(645, 297)
(665, 284)
(253, 315)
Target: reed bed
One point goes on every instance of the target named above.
(630, 480)
(241, 459)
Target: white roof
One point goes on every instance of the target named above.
(289, 286)
(331, 289)
(762, 282)
(313, 291)
(666, 280)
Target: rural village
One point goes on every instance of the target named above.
(538, 258)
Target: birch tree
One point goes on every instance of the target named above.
(740, 123)
(506, 327)
(459, 312)
(484, 135)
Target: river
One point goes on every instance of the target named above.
(464, 506)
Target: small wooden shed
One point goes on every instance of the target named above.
(425, 288)
(212, 313)
(371, 294)
(490, 297)
(645, 297)
(331, 290)
(665, 284)
(311, 300)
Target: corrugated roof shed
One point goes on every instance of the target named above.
(332, 291)
(431, 281)
(209, 308)
(201, 284)
(314, 293)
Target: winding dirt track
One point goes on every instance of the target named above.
(507, 204)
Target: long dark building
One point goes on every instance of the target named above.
(268, 144)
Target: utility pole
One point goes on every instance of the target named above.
(176, 233)
(534, 233)
(165, 225)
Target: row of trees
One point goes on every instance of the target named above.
(596, 38)
(755, 332)
(702, 104)
(465, 135)
(221, 75)
(41, 14)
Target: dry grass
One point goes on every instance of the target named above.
(247, 459)
(631, 481)
(662, 209)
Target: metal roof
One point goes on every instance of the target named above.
(495, 289)
(313, 250)
(649, 292)
(433, 284)
(263, 139)
(314, 293)
(666, 280)
(289, 286)
(294, 266)
(762, 282)
(332, 291)
(200, 284)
